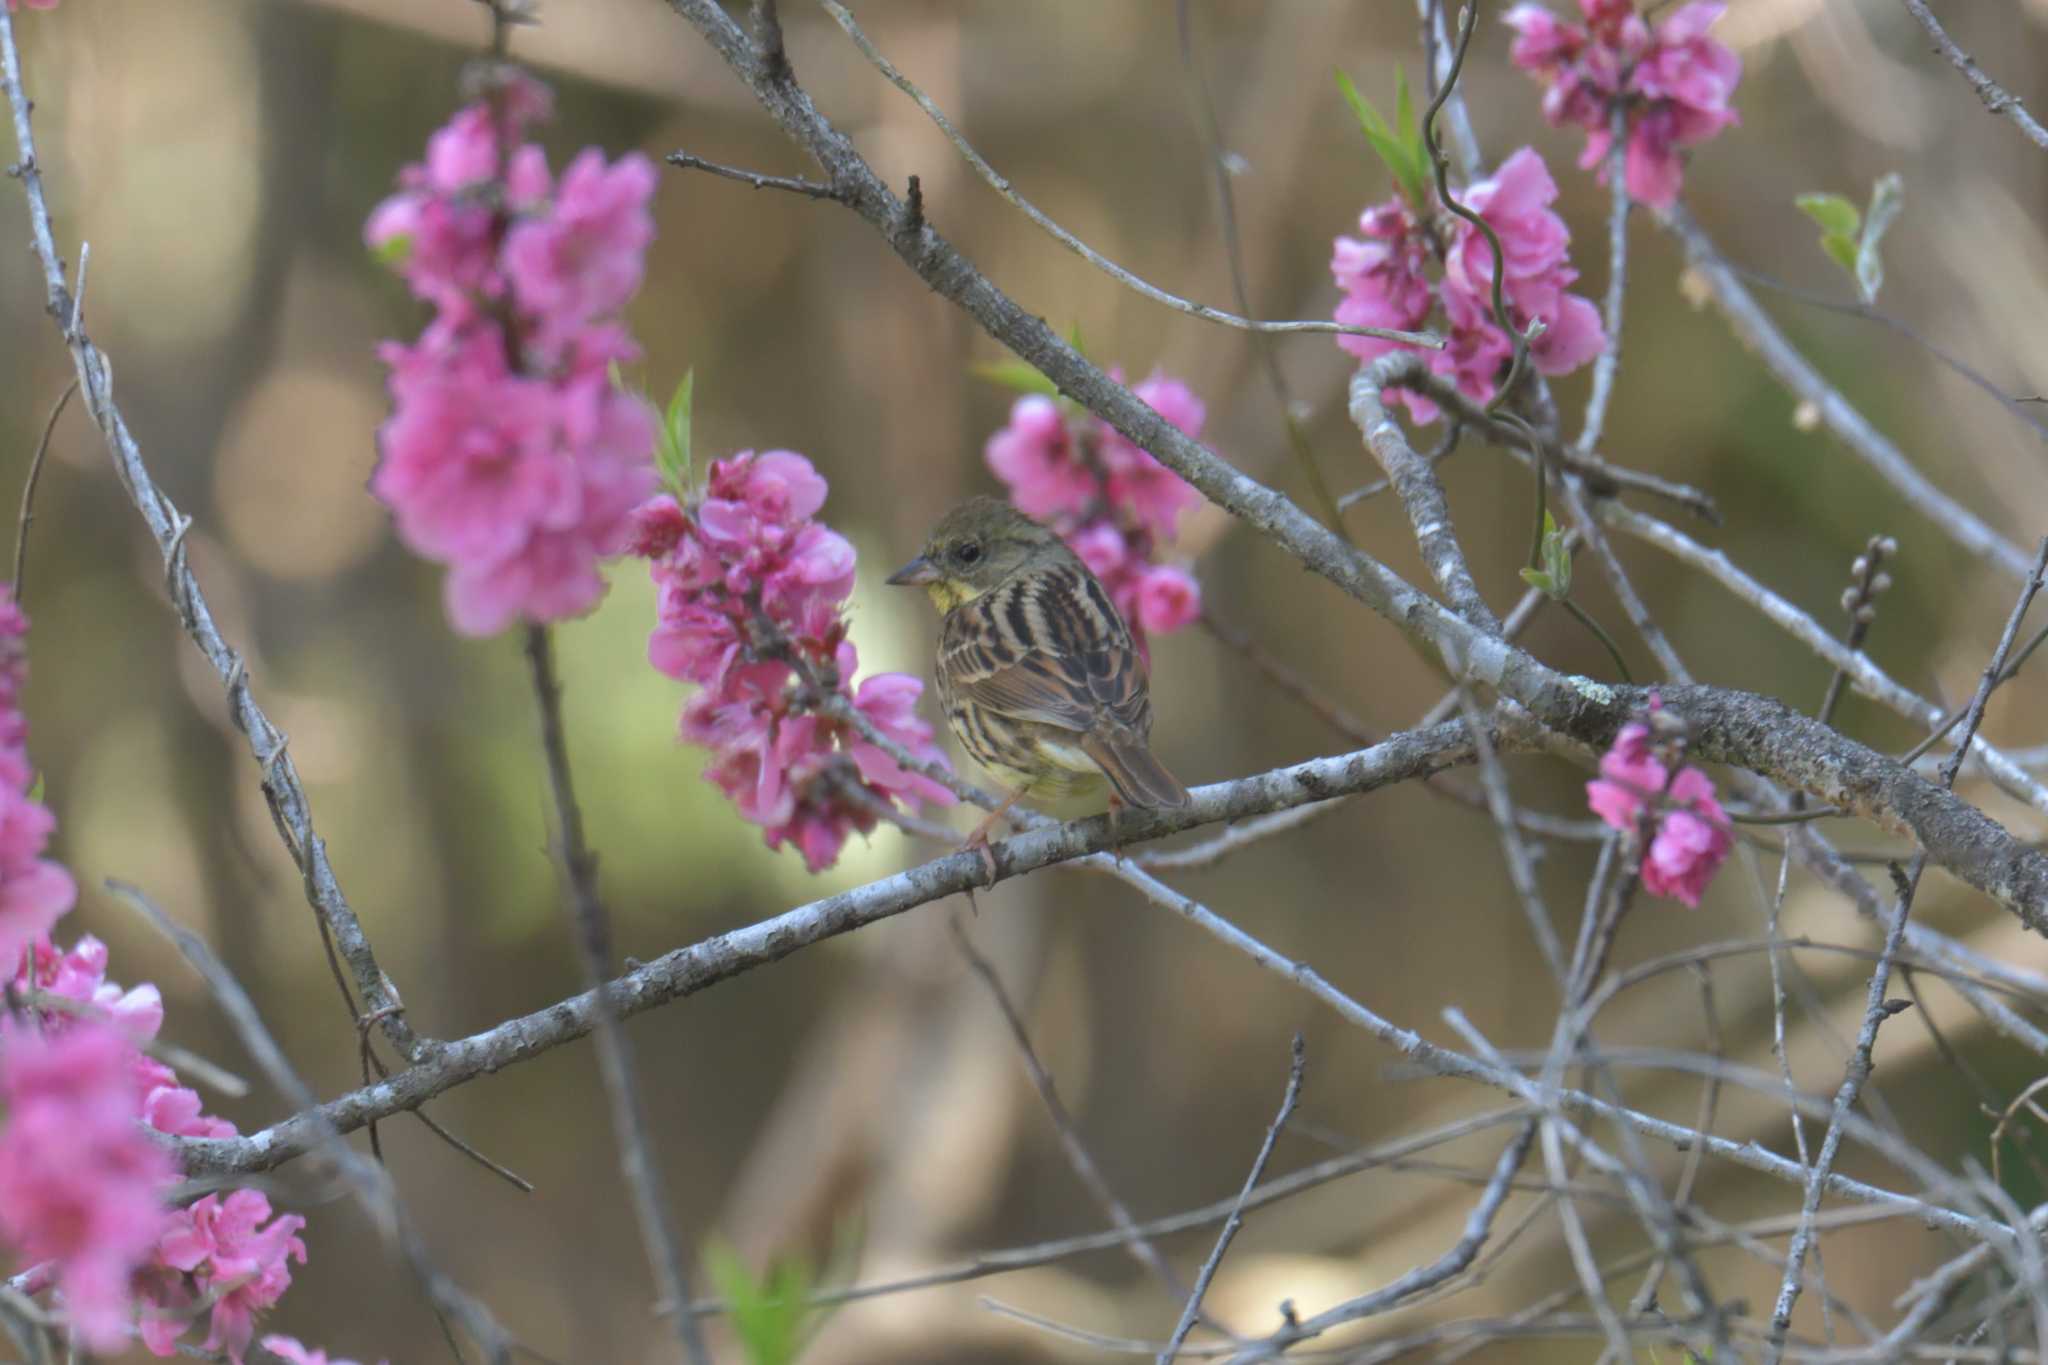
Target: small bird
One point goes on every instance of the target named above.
(1041, 681)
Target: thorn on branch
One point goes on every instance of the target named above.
(913, 210)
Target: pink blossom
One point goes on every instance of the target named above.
(1035, 458)
(1630, 773)
(1154, 494)
(748, 585)
(1692, 834)
(1102, 548)
(1691, 840)
(13, 5)
(1385, 284)
(1168, 598)
(80, 1184)
(1383, 277)
(510, 456)
(584, 259)
(1109, 499)
(80, 973)
(227, 1246)
(289, 1349)
(1676, 82)
(34, 891)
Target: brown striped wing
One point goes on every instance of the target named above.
(1047, 646)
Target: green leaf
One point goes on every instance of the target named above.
(1539, 580)
(1389, 146)
(1074, 339)
(1836, 215)
(1418, 173)
(1843, 249)
(1015, 374)
(673, 455)
(1887, 196)
(1406, 130)
(1839, 223)
(767, 1312)
(35, 789)
(394, 251)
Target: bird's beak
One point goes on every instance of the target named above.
(915, 574)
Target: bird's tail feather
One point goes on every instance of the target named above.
(1139, 778)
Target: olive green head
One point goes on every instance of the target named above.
(976, 546)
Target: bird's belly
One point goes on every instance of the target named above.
(1038, 762)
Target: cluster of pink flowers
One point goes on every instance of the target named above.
(227, 1251)
(223, 1259)
(1386, 283)
(1112, 502)
(1636, 789)
(510, 455)
(81, 1184)
(752, 609)
(1674, 81)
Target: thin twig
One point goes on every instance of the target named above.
(1233, 252)
(1295, 1068)
(809, 189)
(1001, 185)
(614, 1052)
(1478, 1227)
(28, 492)
(282, 789)
(1877, 1009)
(1997, 99)
(1077, 1153)
(1941, 355)
(1865, 676)
(992, 1263)
(1798, 374)
(1521, 868)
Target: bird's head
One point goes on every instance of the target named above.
(973, 548)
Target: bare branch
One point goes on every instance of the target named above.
(1997, 99)
(1865, 676)
(1236, 1220)
(1797, 373)
(281, 785)
(809, 189)
(1421, 494)
(687, 970)
(1077, 1154)
(614, 1053)
(1001, 185)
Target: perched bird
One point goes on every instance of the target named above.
(1041, 681)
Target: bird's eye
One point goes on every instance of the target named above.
(967, 552)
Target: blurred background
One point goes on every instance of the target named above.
(220, 156)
